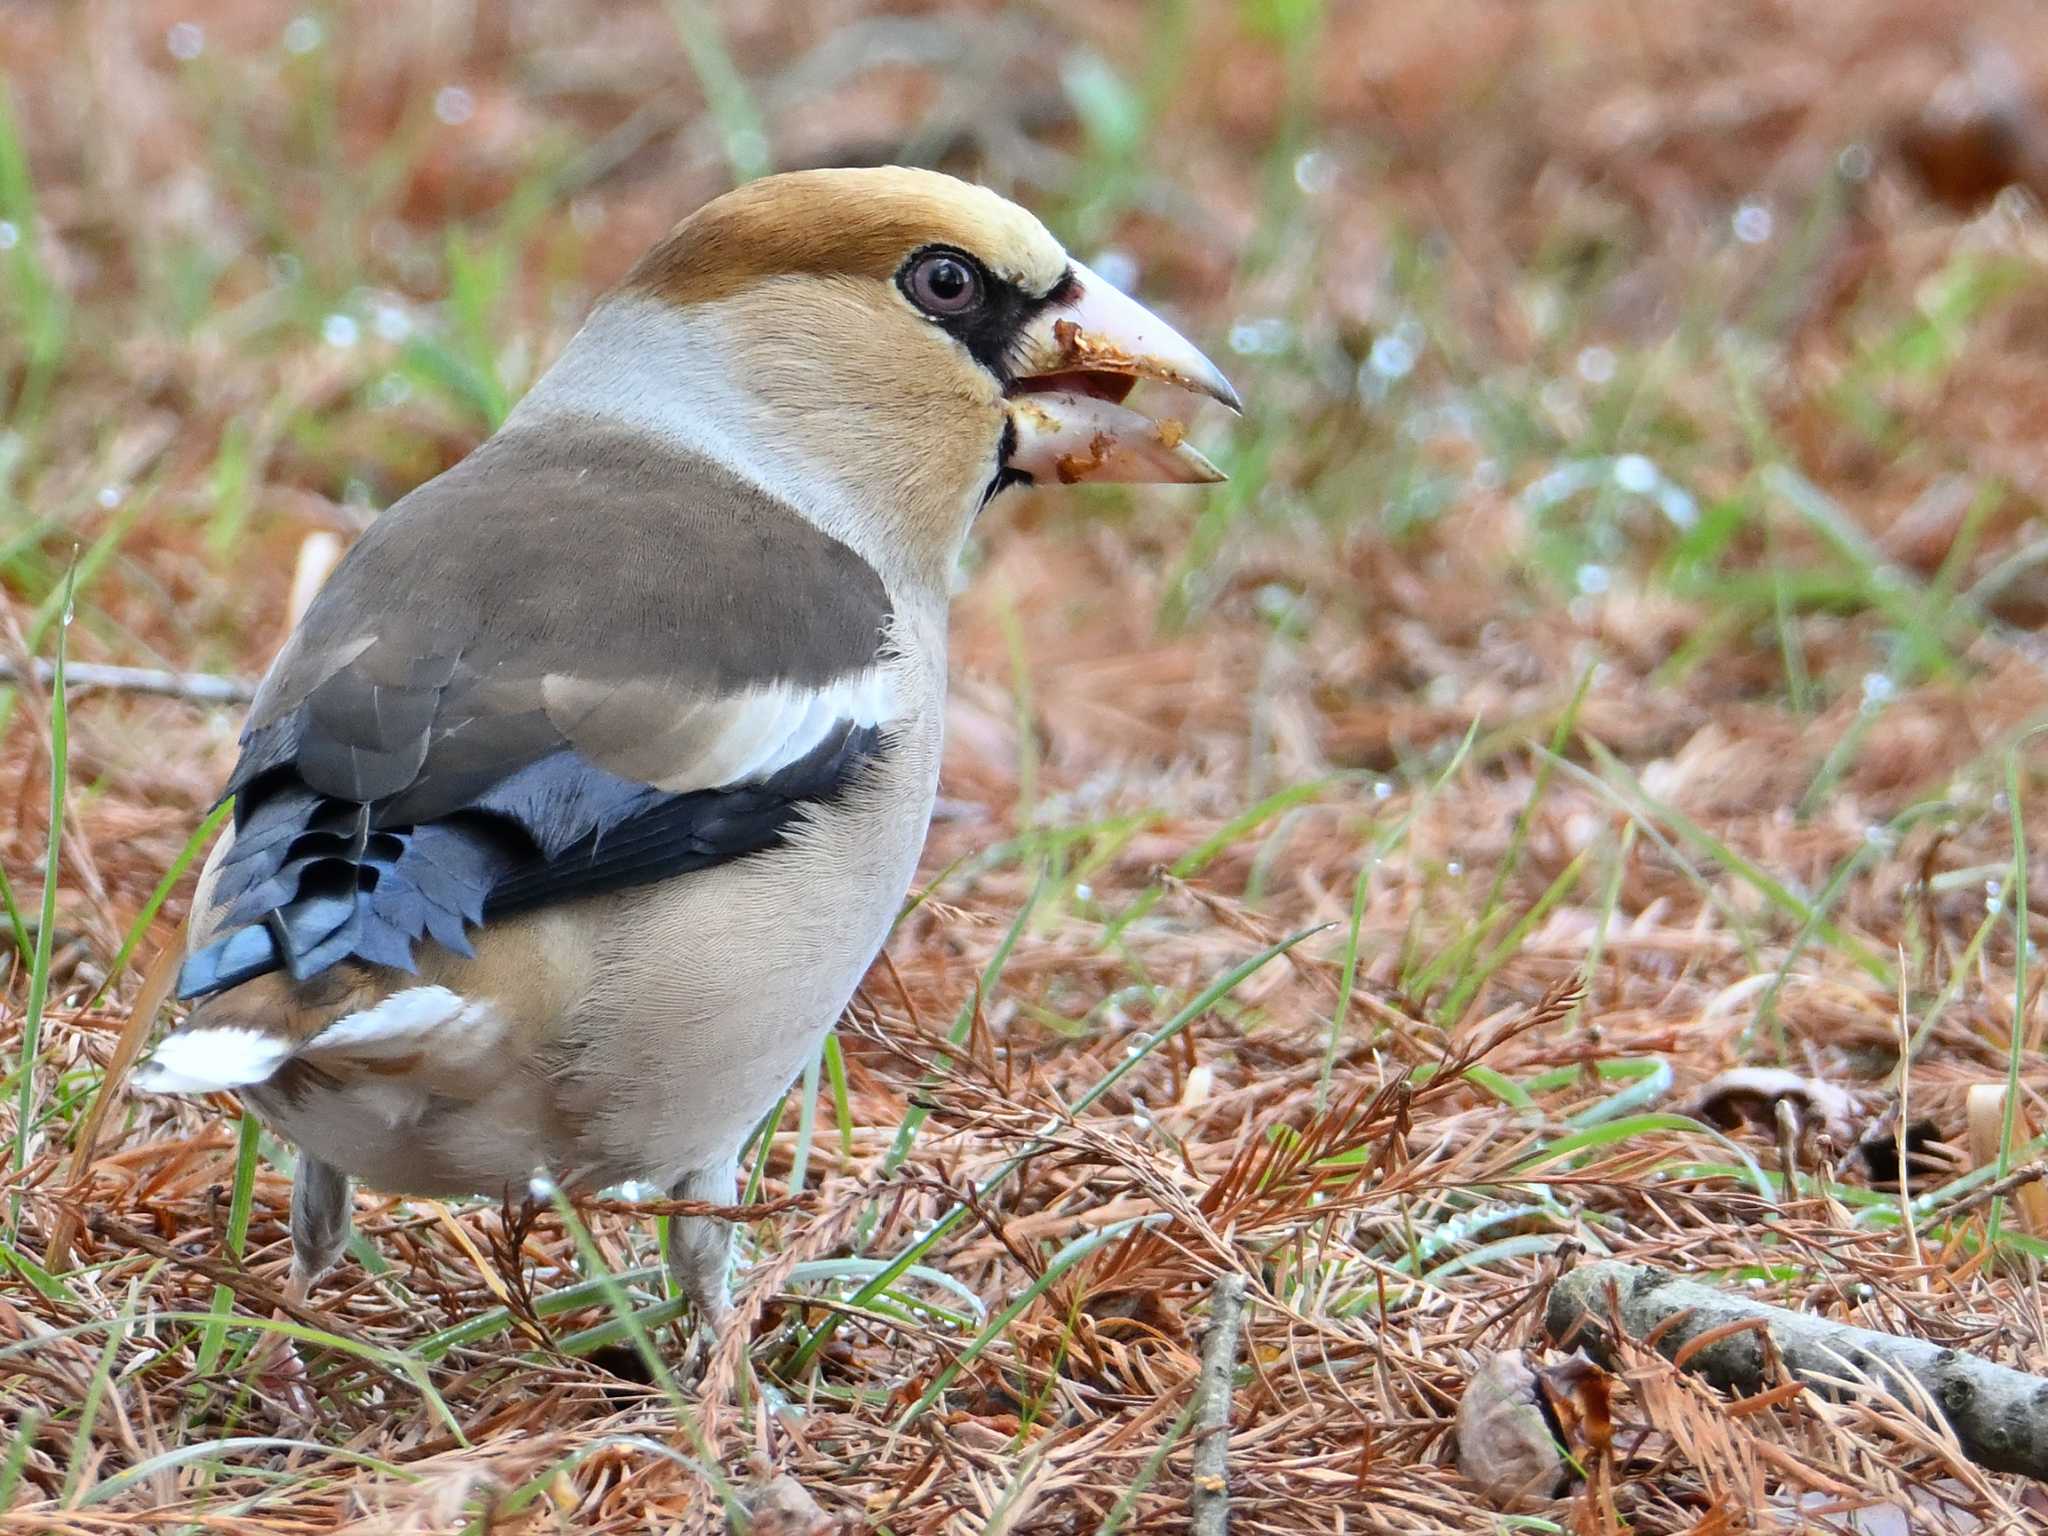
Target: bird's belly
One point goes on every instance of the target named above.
(407, 1140)
(720, 988)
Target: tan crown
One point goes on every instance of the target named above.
(853, 223)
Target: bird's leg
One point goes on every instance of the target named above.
(699, 1252)
(320, 1225)
(320, 1222)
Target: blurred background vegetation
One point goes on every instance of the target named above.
(1630, 579)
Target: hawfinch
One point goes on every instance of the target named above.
(577, 805)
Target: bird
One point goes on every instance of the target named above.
(581, 798)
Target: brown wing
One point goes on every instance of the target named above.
(572, 662)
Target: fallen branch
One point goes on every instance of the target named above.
(193, 687)
(1999, 1416)
(1209, 1502)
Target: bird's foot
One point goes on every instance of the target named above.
(707, 1329)
(276, 1366)
(283, 1378)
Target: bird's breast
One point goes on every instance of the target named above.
(714, 992)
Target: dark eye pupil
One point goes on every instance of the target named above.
(942, 285)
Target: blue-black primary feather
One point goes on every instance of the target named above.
(312, 880)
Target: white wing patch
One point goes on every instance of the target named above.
(210, 1060)
(779, 725)
(405, 1022)
(684, 743)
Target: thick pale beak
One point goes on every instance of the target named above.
(1077, 361)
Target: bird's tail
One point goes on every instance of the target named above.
(246, 1034)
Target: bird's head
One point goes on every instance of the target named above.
(886, 349)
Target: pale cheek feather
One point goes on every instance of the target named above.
(877, 428)
(210, 1060)
(641, 363)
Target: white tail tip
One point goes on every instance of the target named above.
(208, 1060)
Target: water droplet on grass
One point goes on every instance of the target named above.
(1753, 223)
(302, 34)
(339, 331)
(1392, 357)
(1677, 503)
(453, 104)
(186, 40)
(1596, 365)
(1315, 172)
(1636, 474)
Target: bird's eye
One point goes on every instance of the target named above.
(942, 284)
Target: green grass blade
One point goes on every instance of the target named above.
(205, 1450)
(2022, 941)
(24, 945)
(742, 131)
(46, 931)
(643, 1343)
(984, 989)
(16, 1459)
(1063, 1261)
(89, 1407)
(1347, 980)
(842, 1102)
(201, 837)
(240, 1204)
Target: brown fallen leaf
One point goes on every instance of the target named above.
(1751, 1095)
(1978, 133)
(778, 1505)
(1984, 1110)
(1507, 1440)
(1580, 1394)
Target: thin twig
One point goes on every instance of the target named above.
(2019, 1178)
(193, 687)
(1209, 1502)
(260, 1294)
(759, 1211)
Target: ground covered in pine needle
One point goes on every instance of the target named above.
(1614, 662)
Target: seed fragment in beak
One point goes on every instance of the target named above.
(1069, 438)
(1105, 331)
